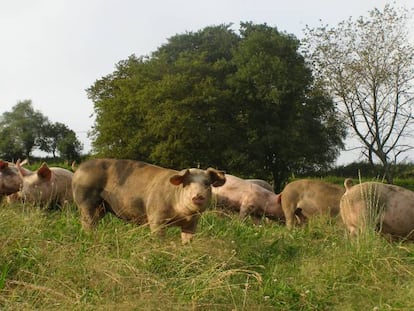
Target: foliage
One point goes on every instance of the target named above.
(58, 137)
(48, 262)
(279, 111)
(241, 102)
(23, 129)
(366, 65)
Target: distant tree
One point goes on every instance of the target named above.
(57, 137)
(21, 127)
(366, 65)
(241, 102)
(69, 147)
(10, 149)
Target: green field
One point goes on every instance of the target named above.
(47, 262)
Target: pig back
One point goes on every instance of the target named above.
(373, 204)
(62, 183)
(125, 185)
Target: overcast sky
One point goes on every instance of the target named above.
(52, 50)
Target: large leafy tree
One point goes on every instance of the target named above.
(289, 126)
(242, 102)
(366, 65)
(21, 127)
(172, 109)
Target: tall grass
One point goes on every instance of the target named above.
(47, 262)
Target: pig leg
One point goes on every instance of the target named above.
(91, 207)
(90, 215)
(186, 237)
(157, 226)
(245, 211)
(300, 218)
(289, 211)
(188, 229)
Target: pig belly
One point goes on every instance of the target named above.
(131, 209)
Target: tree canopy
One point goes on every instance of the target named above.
(23, 129)
(241, 101)
(366, 65)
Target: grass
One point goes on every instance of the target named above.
(47, 262)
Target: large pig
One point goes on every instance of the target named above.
(10, 179)
(305, 198)
(46, 185)
(375, 205)
(248, 198)
(143, 193)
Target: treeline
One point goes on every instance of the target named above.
(24, 129)
(243, 101)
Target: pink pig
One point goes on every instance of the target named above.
(46, 185)
(248, 198)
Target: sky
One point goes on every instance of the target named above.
(53, 50)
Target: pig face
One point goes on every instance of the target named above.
(10, 180)
(196, 186)
(274, 208)
(37, 186)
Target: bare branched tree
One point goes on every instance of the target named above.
(367, 65)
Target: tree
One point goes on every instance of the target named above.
(289, 126)
(366, 65)
(69, 147)
(171, 109)
(57, 137)
(22, 127)
(240, 102)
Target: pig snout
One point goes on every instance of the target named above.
(199, 199)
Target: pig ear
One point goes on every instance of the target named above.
(22, 171)
(179, 179)
(44, 172)
(3, 164)
(217, 177)
(25, 161)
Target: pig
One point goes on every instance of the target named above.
(46, 186)
(375, 205)
(10, 179)
(262, 183)
(248, 198)
(304, 198)
(143, 193)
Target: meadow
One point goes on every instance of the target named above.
(47, 262)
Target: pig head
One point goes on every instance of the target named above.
(46, 185)
(10, 179)
(377, 206)
(305, 198)
(248, 198)
(143, 193)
